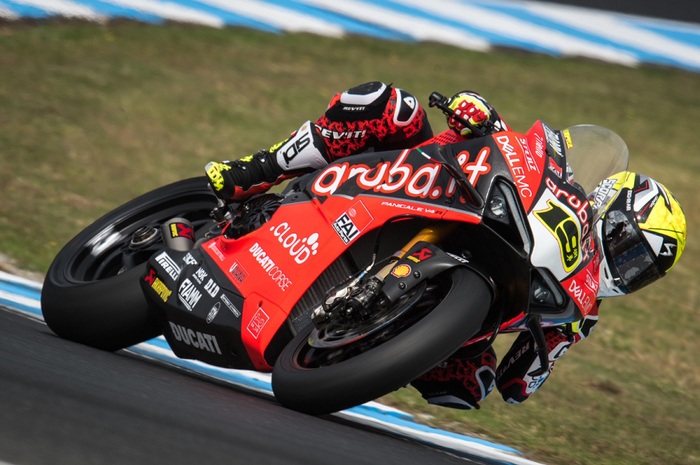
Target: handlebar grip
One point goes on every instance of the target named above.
(438, 99)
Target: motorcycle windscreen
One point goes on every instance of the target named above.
(594, 153)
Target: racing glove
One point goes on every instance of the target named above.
(475, 109)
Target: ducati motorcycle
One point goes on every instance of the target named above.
(357, 278)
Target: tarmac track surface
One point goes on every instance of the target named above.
(65, 403)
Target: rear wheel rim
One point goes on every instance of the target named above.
(97, 255)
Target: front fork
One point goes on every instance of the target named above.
(358, 299)
(433, 234)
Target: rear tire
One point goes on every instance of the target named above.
(87, 297)
(391, 364)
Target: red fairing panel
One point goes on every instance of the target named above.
(525, 160)
(283, 258)
(583, 286)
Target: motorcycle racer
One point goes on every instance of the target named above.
(370, 117)
(640, 230)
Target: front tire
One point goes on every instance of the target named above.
(393, 363)
(88, 295)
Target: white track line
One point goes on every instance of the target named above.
(9, 15)
(418, 28)
(26, 301)
(19, 280)
(171, 11)
(283, 18)
(614, 29)
(64, 8)
(508, 26)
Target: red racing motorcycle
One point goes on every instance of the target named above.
(356, 279)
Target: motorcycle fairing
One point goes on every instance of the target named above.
(201, 308)
(287, 254)
(348, 199)
(561, 220)
(412, 175)
(525, 156)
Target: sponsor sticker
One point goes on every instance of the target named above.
(168, 265)
(530, 161)
(258, 322)
(539, 146)
(583, 298)
(567, 138)
(188, 294)
(273, 271)
(478, 167)
(190, 260)
(215, 249)
(157, 285)
(423, 254)
(196, 339)
(519, 165)
(212, 288)
(299, 248)
(554, 168)
(553, 139)
(213, 312)
(229, 304)
(415, 181)
(352, 222)
(458, 258)
(150, 277)
(181, 230)
(401, 271)
(161, 289)
(200, 275)
(237, 272)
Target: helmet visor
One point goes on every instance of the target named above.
(630, 258)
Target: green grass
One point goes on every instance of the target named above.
(91, 116)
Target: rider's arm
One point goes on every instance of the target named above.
(372, 116)
(512, 378)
